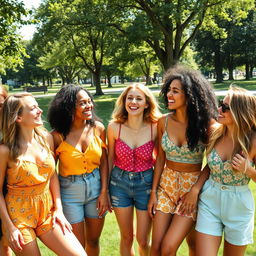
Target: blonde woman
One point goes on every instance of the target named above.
(32, 206)
(226, 203)
(132, 137)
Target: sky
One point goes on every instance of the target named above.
(28, 30)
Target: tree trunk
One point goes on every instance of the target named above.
(148, 80)
(96, 82)
(247, 71)
(230, 73)
(251, 71)
(218, 64)
(109, 81)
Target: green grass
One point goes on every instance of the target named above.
(110, 237)
(249, 85)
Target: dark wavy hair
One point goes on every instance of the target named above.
(62, 109)
(200, 98)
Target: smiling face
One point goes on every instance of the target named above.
(135, 102)
(225, 117)
(84, 106)
(31, 113)
(175, 95)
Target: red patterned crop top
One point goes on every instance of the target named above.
(134, 159)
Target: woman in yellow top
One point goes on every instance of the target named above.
(83, 170)
(32, 207)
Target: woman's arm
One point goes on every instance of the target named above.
(103, 200)
(159, 166)
(58, 216)
(14, 236)
(111, 144)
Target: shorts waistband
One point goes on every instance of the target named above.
(133, 174)
(30, 190)
(182, 172)
(73, 178)
(224, 187)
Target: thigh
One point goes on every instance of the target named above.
(119, 188)
(79, 231)
(207, 244)
(29, 249)
(73, 193)
(124, 218)
(142, 189)
(161, 222)
(93, 228)
(179, 228)
(143, 225)
(233, 250)
(62, 244)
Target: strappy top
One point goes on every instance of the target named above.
(181, 154)
(29, 175)
(222, 172)
(133, 159)
(74, 162)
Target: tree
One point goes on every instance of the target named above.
(11, 48)
(169, 26)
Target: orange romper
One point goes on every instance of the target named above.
(29, 200)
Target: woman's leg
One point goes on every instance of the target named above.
(191, 241)
(233, 250)
(62, 244)
(5, 250)
(124, 218)
(179, 228)
(207, 244)
(93, 229)
(79, 231)
(143, 231)
(161, 222)
(29, 249)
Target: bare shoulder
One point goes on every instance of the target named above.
(99, 127)
(113, 127)
(162, 120)
(4, 151)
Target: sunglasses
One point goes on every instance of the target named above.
(224, 107)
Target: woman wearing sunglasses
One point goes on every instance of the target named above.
(226, 203)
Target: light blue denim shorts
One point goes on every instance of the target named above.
(130, 188)
(79, 194)
(228, 209)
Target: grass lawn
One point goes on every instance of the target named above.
(110, 236)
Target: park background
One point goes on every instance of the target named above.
(104, 45)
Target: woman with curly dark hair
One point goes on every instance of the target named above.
(182, 135)
(79, 140)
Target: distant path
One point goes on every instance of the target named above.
(119, 90)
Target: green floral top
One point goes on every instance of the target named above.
(222, 172)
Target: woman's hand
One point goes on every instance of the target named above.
(240, 163)
(59, 218)
(15, 239)
(189, 202)
(103, 203)
(152, 203)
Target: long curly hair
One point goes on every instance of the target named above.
(62, 109)
(200, 99)
(151, 114)
(242, 105)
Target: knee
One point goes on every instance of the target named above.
(128, 238)
(143, 242)
(93, 243)
(168, 249)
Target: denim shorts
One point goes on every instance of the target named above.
(130, 188)
(228, 209)
(79, 194)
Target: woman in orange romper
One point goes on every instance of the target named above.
(32, 206)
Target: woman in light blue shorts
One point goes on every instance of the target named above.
(226, 204)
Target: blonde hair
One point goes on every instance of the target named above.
(3, 91)
(151, 114)
(12, 108)
(243, 110)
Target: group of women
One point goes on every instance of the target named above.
(151, 167)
